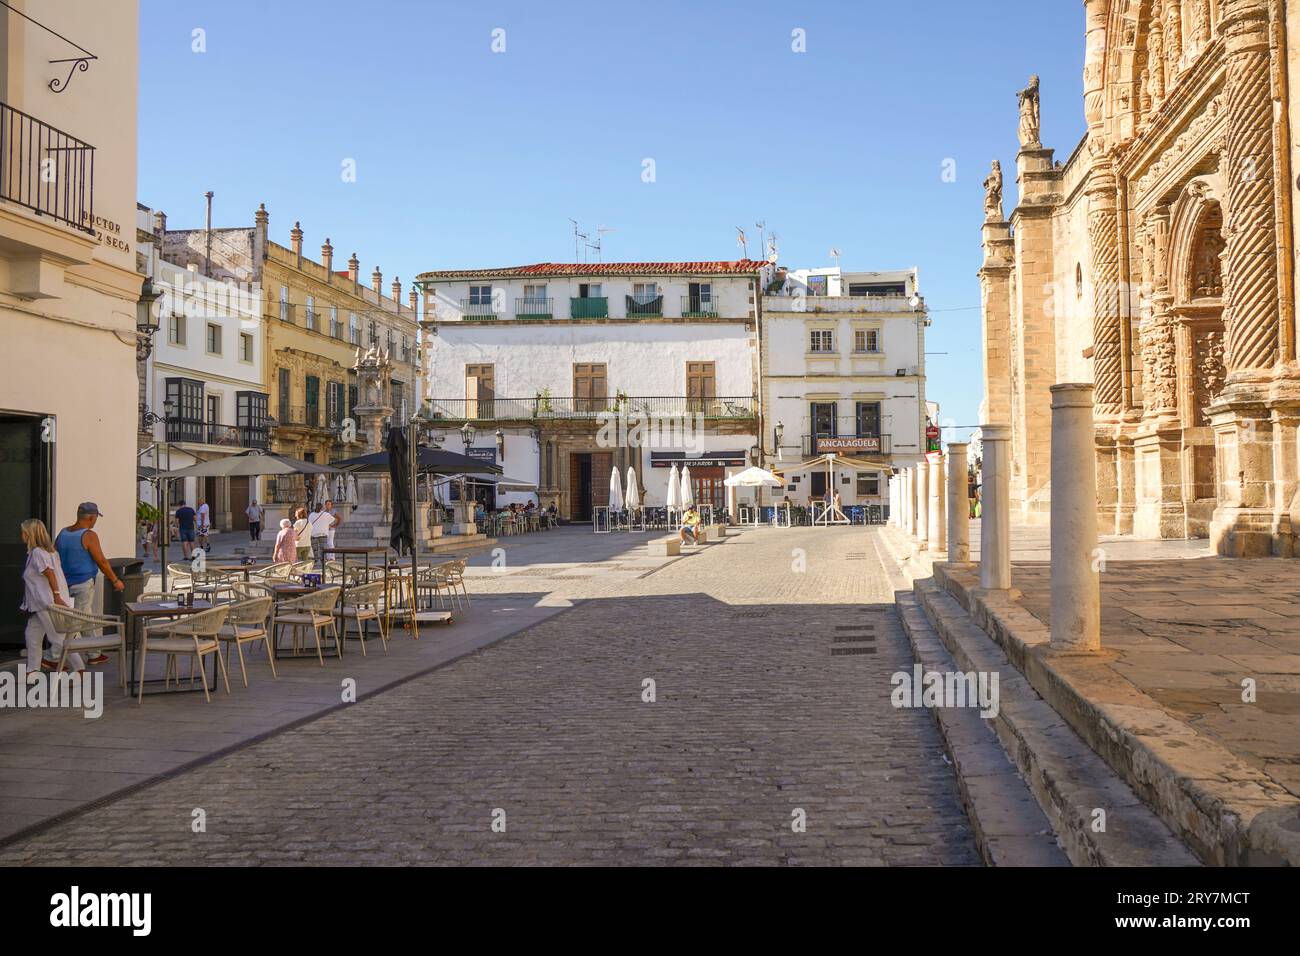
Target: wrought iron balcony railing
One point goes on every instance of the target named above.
(534, 308)
(699, 307)
(645, 306)
(46, 170)
(211, 433)
(476, 311)
(553, 407)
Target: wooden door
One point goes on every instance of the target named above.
(602, 465)
(701, 386)
(480, 389)
(590, 384)
(239, 502)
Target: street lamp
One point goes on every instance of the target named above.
(467, 434)
(146, 320)
(501, 444)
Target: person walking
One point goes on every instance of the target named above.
(186, 518)
(286, 543)
(302, 534)
(44, 586)
(322, 524)
(82, 559)
(254, 512)
(205, 525)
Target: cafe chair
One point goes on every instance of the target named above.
(362, 604)
(180, 576)
(314, 611)
(246, 624)
(456, 578)
(77, 628)
(194, 636)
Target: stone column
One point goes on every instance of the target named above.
(995, 520)
(1076, 585)
(1103, 226)
(893, 502)
(923, 503)
(909, 501)
(1243, 524)
(995, 299)
(936, 535)
(958, 506)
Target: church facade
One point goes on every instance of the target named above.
(1158, 263)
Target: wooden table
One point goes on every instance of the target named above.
(142, 611)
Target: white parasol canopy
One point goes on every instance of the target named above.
(633, 501)
(752, 478)
(615, 491)
(674, 500)
(687, 489)
(352, 489)
(322, 489)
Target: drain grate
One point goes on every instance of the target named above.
(854, 639)
(846, 651)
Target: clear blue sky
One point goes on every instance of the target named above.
(465, 157)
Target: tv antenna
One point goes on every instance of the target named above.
(600, 238)
(835, 254)
(762, 242)
(742, 242)
(772, 254)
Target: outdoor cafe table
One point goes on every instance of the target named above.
(355, 553)
(142, 611)
(244, 569)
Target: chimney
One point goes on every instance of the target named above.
(354, 268)
(397, 290)
(159, 223)
(415, 302)
(327, 258)
(295, 239)
(377, 281)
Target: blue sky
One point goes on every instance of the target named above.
(465, 157)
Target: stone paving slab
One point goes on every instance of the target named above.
(56, 761)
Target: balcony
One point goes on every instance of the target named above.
(645, 306)
(737, 408)
(301, 416)
(594, 307)
(46, 170)
(211, 433)
(842, 303)
(698, 307)
(471, 311)
(846, 446)
(534, 308)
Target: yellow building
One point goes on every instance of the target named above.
(315, 320)
(68, 285)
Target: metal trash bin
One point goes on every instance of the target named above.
(134, 578)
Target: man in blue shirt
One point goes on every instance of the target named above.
(185, 521)
(82, 559)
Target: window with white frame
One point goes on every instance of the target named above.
(311, 312)
(214, 338)
(868, 484)
(176, 330)
(354, 329)
(335, 331)
(822, 340)
(645, 291)
(284, 303)
(866, 340)
(245, 347)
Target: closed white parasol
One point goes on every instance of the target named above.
(615, 491)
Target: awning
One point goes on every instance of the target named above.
(822, 462)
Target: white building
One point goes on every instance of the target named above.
(544, 361)
(843, 373)
(204, 391)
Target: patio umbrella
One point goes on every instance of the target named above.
(752, 478)
(674, 500)
(687, 490)
(633, 497)
(351, 488)
(615, 491)
(322, 488)
(399, 473)
(250, 463)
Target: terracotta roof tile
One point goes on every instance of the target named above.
(579, 269)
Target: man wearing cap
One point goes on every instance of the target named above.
(82, 558)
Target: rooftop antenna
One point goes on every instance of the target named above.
(600, 236)
(579, 238)
(835, 254)
(772, 253)
(762, 243)
(740, 241)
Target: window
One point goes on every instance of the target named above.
(284, 303)
(392, 342)
(590, 290)
(214, 339)
(354, 329)
(335, 331)
(245, 347)
(535, 293)
(176, 330)
(334, 397)
(250, 417)
(480, 295)
(644, 291)
(214, 409)
(590, 384)
(868, 484)
(877, 288)
(823, 340)
(354, 396)
(186, 396)
(701, 386)
(284, 390)
(313, 401)
(480, 389)
(822, 415)
(868, 419)
(406, 349)
(374, 333)
(311, 312)
(866, 340)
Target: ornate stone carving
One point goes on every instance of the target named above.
(1210, 374)
(1173, 40)
(1159, 362)
(1207, 266)
(1029, 114)
(1201, 23)
(1156, 57)
(1104, 241)
(993, 194)
(1192, 138)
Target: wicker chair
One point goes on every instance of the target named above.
(434, 579)
(77, 627)
(246, 624)
(181, 576)
(363, 605)
(455, 571)
(314, 611)
(195, 636)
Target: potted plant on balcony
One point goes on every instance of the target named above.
(543, 402)
(620, 399)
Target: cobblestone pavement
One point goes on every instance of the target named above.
(756, 724)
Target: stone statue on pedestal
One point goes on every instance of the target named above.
(1029, 115)
(993, 194)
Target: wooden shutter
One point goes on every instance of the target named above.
(602, 463)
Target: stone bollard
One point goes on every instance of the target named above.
(1076, 584)
(923, 503)
(995, 520)
(958, 507)
(937, 538)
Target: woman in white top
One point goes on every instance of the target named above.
(302, 530)
(43, 586)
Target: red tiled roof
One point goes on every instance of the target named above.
(579, 269)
